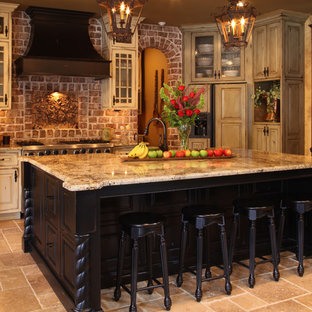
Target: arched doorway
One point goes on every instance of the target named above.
(154, 74)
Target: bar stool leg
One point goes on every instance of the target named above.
(164, 263)
(207, 272)
(232, 241)
(121, 253)
(300, 244)
(276, 274)
(252, 241)
(280, 232)
(134, 275)
(198, 292)
(182, 253)
(149, 242)
(228, 286)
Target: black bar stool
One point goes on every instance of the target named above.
(202, 217)
(138, 225)
(255, 210)
(300, 204)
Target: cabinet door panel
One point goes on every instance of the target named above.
(274, 49)
(8, 191)
(259, 48)
(230, 115)
(293, 50)
(258, 138)
(51, 200)
(274, 139)
(52, 246)
(4, 76)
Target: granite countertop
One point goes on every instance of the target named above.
(95, 171)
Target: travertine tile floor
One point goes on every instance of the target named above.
(23, 287)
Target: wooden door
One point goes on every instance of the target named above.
(274, 50)
(259, 51)
(293, 117)
(230, 115)
(274, 138)
(259, 140)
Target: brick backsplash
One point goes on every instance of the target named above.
(92, 117)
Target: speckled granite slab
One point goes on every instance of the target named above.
(95, 171)
(11, 147)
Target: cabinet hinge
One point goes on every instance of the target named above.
(15, 175)
(6, 31)
(6, 99)
(114, 100)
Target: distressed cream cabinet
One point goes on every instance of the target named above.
(278, 55)
(278, 45)
(9, 184)
(230, 116)
(267, 137)
(205, 59)
(121, 90)
(6, 54)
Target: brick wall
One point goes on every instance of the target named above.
(91, 115)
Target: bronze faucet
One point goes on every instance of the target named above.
(163, 146)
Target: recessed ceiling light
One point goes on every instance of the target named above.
(161, 23)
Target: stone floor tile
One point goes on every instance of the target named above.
(305, 299)
(14, 238)
(293, 277)
(248, 301)
(4, 247)
(12, 278)
(18, 300)
(5, 224)
(271, 291)
(225, 305)
(285, 306)
(15, 259)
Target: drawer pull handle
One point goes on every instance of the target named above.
(50, 197)
(2, 159)
(50, 244)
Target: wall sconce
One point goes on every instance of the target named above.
(235, 23)
(120, 16)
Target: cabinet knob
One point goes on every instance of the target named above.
(15, 176)
(6, 31)
(264, 130)
(219, 74)
(215, 74)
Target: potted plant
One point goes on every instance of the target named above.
(268, 99)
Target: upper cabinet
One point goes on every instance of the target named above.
(6, 54)
(121, 90)
(278, 46)
(206, 59)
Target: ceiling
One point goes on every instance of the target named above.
(175, 12)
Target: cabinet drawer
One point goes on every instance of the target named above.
(9, 159)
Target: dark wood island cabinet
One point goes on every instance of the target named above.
(72, 204)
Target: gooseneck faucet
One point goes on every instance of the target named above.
(163, 146)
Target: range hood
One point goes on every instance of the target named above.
(60, 45)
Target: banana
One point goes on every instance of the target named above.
(138, 150)
(144, 153)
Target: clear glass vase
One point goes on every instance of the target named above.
(184, 133)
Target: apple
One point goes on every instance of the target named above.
(194, 153)
(203, 153)
(218, 152)
(210, 153)
(227, 152)
(173, 152)
(187, 153)
(152, 154)
(159, 153)
(179, 154)
(221, 150)
(167, 154)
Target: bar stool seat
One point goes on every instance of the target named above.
(201, 217)
(139, 225)
(254, 209)
(301, 204)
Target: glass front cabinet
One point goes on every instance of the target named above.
(211, 61)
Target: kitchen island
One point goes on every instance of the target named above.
(72, 204)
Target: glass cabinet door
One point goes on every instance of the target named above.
(4, 25)
(123, 79)
(230, 62)
(204, 56)
(3, 75)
